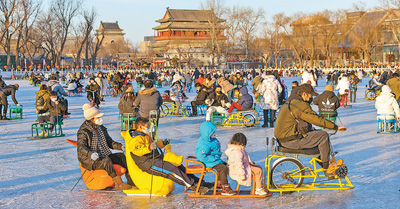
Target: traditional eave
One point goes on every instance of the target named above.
(186, 26)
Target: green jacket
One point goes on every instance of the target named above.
(285, 127)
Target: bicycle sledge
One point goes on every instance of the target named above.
(246, 118)
(285, 172)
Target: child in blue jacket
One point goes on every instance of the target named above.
(208, 151)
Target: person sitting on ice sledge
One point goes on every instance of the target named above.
(55, 108)
(217, 102)
(208, 151)
(245, 102)
(93, 89)
(94, 148)
(148, 156)
(294, 127)
(327, 102)
(386, 105)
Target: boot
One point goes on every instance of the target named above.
(119, 184)
(202, 190)
(265, 118)
(129, 179)
(226, 190)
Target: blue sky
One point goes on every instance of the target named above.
(137, 17)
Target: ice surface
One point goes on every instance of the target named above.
(40, 173)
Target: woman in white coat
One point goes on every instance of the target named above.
(386, 104)
(270, 88)
(343, 85)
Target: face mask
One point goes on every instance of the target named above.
(214, 135)
(99, 121)
(145, 130)
(218, 92)
(54, 99)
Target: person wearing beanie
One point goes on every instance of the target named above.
(94, 147)
(327, 102)
(93, 91)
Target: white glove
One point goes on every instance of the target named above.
(94, 156)
(153, 146)
(123, 148)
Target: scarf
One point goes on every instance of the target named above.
(99, 143)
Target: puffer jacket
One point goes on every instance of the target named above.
(147, 100)
(54, 110)
(270, 88)
(175, 92)
(54, 85)
(225, 85)
(343, 85)
(246, 100)
(139, 144)
(85, 137)
(386, 103)
(209, 84)
(218, 100)
(208, 150)
(44, 96)
(9, 90)
(239, 164)
(256, 81)
(327, 102)
(394, 84)
(125, 105)
(285, 126)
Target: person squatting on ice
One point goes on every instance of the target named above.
(94, 146)
(4, 93)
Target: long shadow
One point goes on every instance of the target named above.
(36, 152)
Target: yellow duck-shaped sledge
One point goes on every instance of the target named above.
(171, 157)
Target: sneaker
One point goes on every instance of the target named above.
(260, 191)
(41, 134)
(226, 190)
(207, 184)
(46, 134)
(202, 190)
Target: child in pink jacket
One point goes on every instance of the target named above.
(240, 165)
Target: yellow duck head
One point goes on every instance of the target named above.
(171, 157)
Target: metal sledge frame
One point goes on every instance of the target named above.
(127, 120)
(198, 167)
(167, 106)
(15, 110)
(45, 127)
(371, 94)
(384, 125)
(306, 172)
(247, 118)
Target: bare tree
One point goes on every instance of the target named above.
(249, 21)
(215, 10)
(232, 22)
(99, 37)
(84, 31)
(64, 11)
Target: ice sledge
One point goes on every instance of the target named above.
(98, 179)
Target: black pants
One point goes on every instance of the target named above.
(194, 106)
(3, 103)
(65, 103)
(108, 162)
(222, 173)
(96, 98)
(169, 171)
(271, 117)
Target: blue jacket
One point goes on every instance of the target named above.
(246, 101)
(208, 150)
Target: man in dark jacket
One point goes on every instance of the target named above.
(4, 93)
(327, 102)
(245, 102)
(148, 99)
(54, 85)
(217, 102)
(200, 98)
(298, 112)
(94, 146)
(55, 108)
(2, 83)
(196, 75)
(93, 89)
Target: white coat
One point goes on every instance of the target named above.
(270, 88)
(343, 85)
(386, 103)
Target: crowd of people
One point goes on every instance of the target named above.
(222, 92)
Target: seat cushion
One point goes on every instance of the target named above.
(310, 151)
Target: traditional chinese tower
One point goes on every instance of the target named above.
(186, 28)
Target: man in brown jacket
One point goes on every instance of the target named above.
(394, 84)
(299, 109)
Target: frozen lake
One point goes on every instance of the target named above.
(40, 173)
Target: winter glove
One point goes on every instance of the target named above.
(94, 156)
(166, 141)
(153, 146)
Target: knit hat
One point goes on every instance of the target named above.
(329, 88)
(91, 112)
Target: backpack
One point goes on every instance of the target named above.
(39, 101)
